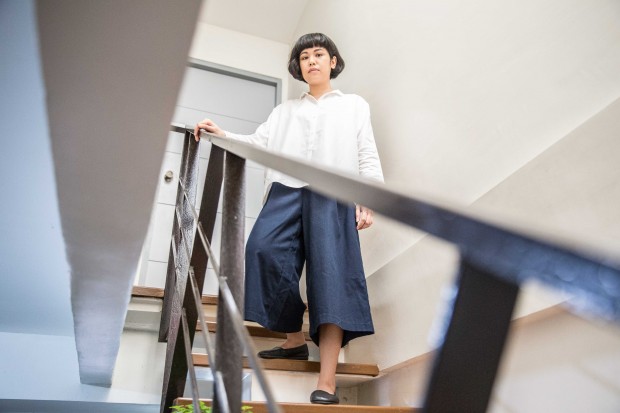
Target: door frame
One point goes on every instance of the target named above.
(239, 73)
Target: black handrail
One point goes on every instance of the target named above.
(496, 257)
(516, 253)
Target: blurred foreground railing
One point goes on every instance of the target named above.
(496, 258)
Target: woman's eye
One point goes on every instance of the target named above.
(319, 54)
(304, 57)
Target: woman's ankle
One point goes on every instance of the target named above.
(294, 340)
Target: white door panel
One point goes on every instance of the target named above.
(162, 221)
(190, 117)
(156, 274)
(235, 104)
(223, 94)
(175, 142)
(167, 191)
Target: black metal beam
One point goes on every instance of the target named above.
(229, 348)
(175, 242)
(175, 369)
(467, 361)
(589, 270)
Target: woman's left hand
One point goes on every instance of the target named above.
(363, 217)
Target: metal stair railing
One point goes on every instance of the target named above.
(496, 258)
(182, 307)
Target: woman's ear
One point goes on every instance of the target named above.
(333, 62)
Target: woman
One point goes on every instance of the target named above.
(296, 225)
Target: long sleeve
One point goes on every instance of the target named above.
(369, 163)
(261, 136)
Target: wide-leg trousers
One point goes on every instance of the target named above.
(295, 226)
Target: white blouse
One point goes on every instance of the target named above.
(334, 131)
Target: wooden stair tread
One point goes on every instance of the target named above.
(261, 407)
(254, 330)
(202, 360)
(154, 292)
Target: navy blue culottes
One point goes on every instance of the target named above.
(295, 226)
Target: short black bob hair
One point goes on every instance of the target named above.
(314, 40)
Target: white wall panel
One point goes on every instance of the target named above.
(156, 274)
(191, 116)
(163, 216)
(213, 92)
(167, 191)
(235, 104)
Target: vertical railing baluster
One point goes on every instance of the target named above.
(176, 365)
(466, 363)
(171, 276)
(187, 344)
(229, 349)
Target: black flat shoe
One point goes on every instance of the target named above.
(295, 353)
(322, 397)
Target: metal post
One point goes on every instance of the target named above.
(171, 276)
(175, 289)
(467, 362)
(229, 349)
(176, 376)
(188, 358)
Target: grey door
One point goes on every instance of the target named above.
(236, 101)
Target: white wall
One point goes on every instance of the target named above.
(43, 367)
(241, 51)
(34, 292)
(464, 95)
(559, 363)
(40, 372)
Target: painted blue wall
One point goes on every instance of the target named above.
(34, 274)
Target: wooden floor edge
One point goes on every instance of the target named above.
(253, 330)
(371, 370)
(261, 407)
(156, 292)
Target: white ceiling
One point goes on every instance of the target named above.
(271, 19)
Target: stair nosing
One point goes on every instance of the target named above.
(311, 408)
(371, 370)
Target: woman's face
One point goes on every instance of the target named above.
(316, 65)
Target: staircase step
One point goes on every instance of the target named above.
(154, 292)
(202, 360)
(254, 330)
(211, 300)
(261, 407)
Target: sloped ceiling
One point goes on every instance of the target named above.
(271, 19)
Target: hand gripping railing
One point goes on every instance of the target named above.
(496, 257)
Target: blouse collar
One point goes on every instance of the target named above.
(336, 92)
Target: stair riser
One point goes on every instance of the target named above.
(264, 344)
(211, 311)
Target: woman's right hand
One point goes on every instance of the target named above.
(209, 126)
